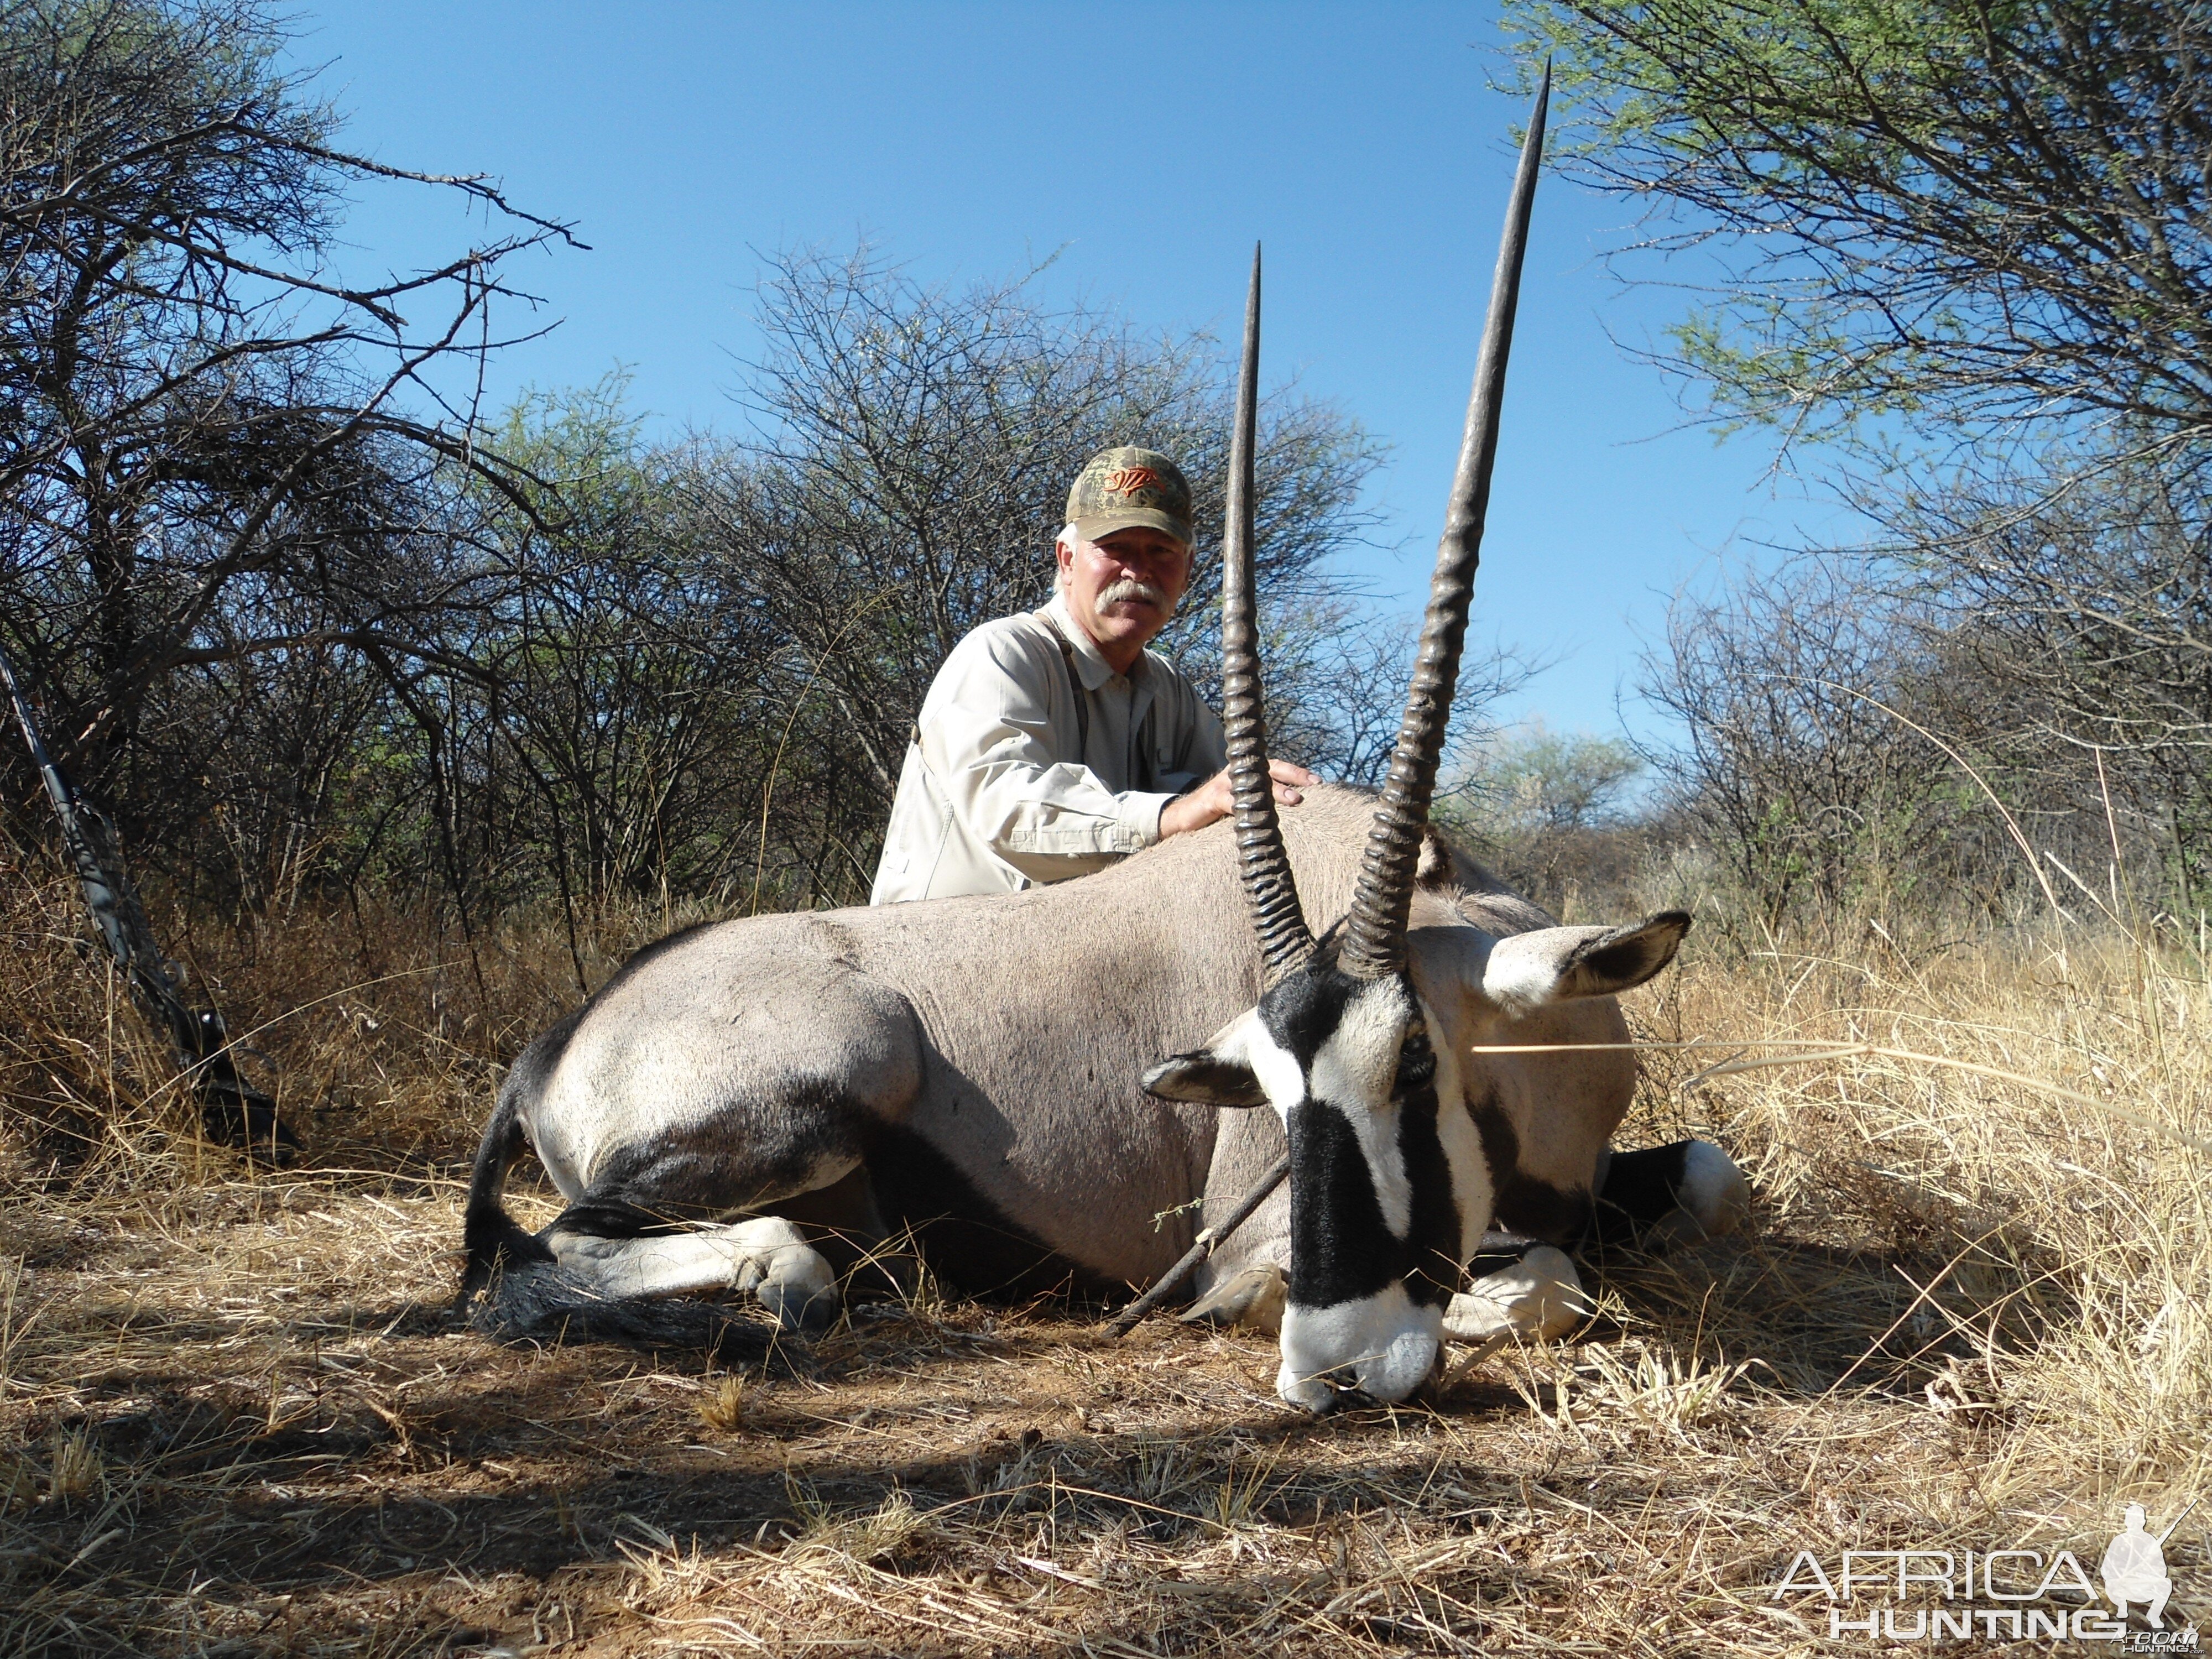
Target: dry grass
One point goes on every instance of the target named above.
(237, 1419)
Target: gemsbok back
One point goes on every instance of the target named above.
(741, 1097)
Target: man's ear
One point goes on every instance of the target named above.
(1219, 1075)
(1559, 964)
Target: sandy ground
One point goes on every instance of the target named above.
(249, 1425)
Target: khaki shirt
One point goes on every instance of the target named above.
(1006, 789)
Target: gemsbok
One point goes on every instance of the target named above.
(1443, 1059)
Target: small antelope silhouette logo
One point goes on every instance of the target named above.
(1129, 480)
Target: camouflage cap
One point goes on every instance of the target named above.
(1124, 486)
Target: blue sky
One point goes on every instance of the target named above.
(1152, 144)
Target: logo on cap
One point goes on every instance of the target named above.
(1129, 480)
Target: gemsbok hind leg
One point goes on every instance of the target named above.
(669, 1218)
(672, 1153)
(1672, 1195)
(621, 1251)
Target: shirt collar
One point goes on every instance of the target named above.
(1093, 670)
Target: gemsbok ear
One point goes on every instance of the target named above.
(1221, 1073)
(1559, 964)
(1204, 1079)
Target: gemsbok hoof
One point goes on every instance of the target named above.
(1538, 1299)
(1251, 1299)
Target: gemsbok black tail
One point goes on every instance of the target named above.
(495, 1244)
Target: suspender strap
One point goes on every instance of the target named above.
(1143, 772)
(1074, 689)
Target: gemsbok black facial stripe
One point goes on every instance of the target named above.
(1361, 1165)
(1341, 1250)
(1304, 1011)
(1429, 1261)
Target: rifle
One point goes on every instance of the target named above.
(2178, 1520)
(231, 1109)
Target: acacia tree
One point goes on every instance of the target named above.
(2088, 609)
(908, 467)
(1971, 231)
(629, 689)
(1794, 767)
(1941, 211)
(1551, 809)
(214, 449)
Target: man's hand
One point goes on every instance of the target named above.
(1212, 799)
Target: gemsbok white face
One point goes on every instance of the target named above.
(1389, 1190)
(1391, 1184)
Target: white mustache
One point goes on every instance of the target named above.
(1130, 587)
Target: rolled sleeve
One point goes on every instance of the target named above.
(1140, 814)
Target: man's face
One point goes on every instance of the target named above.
(1124, 588)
